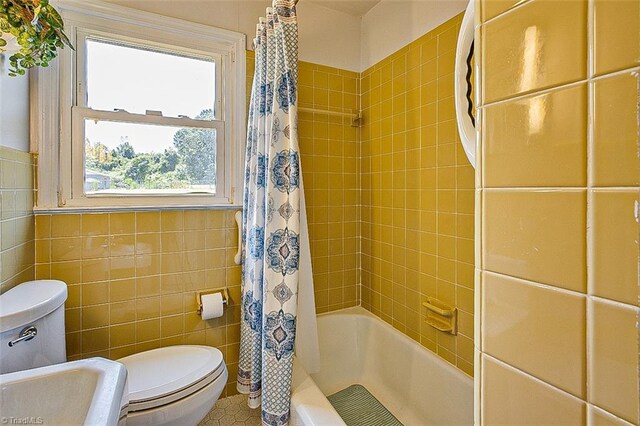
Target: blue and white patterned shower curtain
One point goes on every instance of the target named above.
(271, 219)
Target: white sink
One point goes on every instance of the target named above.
(87, 392)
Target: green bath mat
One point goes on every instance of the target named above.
(358, 407)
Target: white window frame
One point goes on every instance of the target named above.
(59, 106)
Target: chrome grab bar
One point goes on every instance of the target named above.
(26, 334)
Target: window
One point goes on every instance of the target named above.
(151, 112)
(149, 121)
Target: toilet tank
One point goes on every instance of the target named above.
(33, 304)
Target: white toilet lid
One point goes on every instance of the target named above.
(163, 375)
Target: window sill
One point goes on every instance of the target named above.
(80, 210)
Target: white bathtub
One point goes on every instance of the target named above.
(417, 386)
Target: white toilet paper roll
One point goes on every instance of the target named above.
(212, 306)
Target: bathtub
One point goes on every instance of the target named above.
(414, 384)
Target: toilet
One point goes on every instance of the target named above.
(174, 385)
(34, 307)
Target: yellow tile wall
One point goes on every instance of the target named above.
(330, 150)
(417, 195)
(330, 153)
(16, 218)
(558, 178)
(133, 276)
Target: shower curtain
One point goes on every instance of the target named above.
(271, 236)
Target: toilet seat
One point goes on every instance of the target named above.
(161, 376)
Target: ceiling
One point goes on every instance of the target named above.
(352, 7)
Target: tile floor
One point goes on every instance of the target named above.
(232, 411)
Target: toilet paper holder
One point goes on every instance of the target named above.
(223, 290)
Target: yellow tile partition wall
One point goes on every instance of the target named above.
(330, 152)
(558, 178)
(16, 218)
(417, 195)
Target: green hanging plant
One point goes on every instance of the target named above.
(38, 29)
